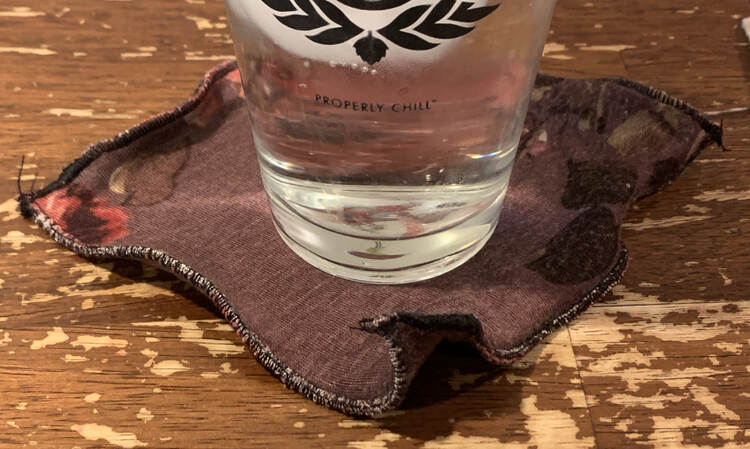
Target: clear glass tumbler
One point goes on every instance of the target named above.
(386, 129)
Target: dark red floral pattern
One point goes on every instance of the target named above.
(77, 207)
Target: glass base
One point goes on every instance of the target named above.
(398, 276)
(384, 261)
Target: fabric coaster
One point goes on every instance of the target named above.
(182, 190)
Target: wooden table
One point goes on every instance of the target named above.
(120, 355)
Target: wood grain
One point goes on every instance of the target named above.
(121, 355)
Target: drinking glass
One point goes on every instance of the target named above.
(386, 129)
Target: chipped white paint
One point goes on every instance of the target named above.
(657, 401)
(20, 11)
(191, 332)
(55, 336)
(649, 223)
(79, 54)
(28, 51)
(12, 424)
(168, 367)
(136, 290)
(144, 415)
(205, 24)
(649, 285)
(9, 210)
(708, 399)
(5, 339)
(552, 50)
(746, 26)
(199, 56)
(70, 358)
(380, 441)
(629, 297)
(92, 397)
(577, 397)
(538, 424)
(355, 424)
(696, 209)
(558, 349)
(92, 272)
(150, 354)
(614, 48)
(21, 405)
(709, 327)
(210, 375)
(735, 348)
(88, 113)
(132, 55)
(89, 342)
(670, 433)
(93, 432)
(226, 368)
(28, 177)
(62, 12)
(39, 297)
(299, 425)
(457, 441)
(17, 239)
(722, 195)
(87, 304)
(717, 160)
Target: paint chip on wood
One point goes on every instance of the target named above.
(92, 397)
(168, 367)
(20, 11)
(28, 51)
(55, 336)
(144, 415)
(93, 432)
(89, 342)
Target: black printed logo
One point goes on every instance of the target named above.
(421, 27)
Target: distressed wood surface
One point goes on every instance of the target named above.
(120, 355)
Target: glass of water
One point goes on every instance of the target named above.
(386, 129)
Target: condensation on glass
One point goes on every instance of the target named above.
(386, 129)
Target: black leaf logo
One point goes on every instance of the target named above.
(395, 33)
(310, 19)
(430, 26)
(430, 20)
(370, 49)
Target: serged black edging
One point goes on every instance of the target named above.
(384, 325)
(714, 131)
(130, 135)
(355, 407)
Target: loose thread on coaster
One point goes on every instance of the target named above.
(20, 172)
(721, 142)
(19, 178)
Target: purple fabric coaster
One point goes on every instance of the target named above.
(182, 190)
